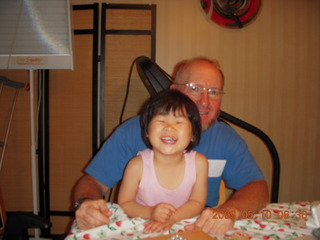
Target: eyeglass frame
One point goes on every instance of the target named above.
(202, 89)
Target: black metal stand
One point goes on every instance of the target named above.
(272, 149)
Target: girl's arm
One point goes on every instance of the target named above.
(199, 192)
(196, 201)
(128, 191)
(129, 188)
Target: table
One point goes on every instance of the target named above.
(276, 221)
(190, 235)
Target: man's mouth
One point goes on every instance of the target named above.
(203, 112)
(168, 139)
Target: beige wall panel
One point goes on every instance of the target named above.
(70, 124)
(123, 19)
(82, 19)
(121, 50)
(61, 225)
(15, 176)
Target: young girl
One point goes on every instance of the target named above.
(168, 181)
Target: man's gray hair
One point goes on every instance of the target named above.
(181, 66)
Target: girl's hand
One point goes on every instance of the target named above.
(155, 226)
(162, 212)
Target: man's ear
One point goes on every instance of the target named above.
(173, 87)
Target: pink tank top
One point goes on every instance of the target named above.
(151, 193)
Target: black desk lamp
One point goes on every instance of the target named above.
(153, 77)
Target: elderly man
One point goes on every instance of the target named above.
(229, 158)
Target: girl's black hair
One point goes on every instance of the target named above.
(171, 101)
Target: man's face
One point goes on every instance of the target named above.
(206, 75)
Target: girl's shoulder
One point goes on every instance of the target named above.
(135, 163)
(201, 160)
(200, 156)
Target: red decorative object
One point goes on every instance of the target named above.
(231, 13)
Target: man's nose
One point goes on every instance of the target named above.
(204, 98)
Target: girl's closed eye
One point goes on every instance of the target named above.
(181, 121)
(158, 119)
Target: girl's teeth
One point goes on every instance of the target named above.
(169, 139)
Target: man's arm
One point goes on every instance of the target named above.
(88, 187)
(252, 197)
(249, 199)
(92, 212)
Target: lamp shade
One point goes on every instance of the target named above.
(154, 77)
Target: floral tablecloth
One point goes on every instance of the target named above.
(276, 221)
(121, 227)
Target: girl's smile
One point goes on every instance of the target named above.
(170, 133)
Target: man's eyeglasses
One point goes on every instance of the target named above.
(197, 90)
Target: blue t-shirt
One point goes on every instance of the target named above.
(228, 155)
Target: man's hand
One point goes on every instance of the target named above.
(92, 213)
(249, 199)
(162, 212)
(212, 226)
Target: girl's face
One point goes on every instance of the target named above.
(170, 133)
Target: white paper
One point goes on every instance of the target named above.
(216, 167)
(314, 219)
